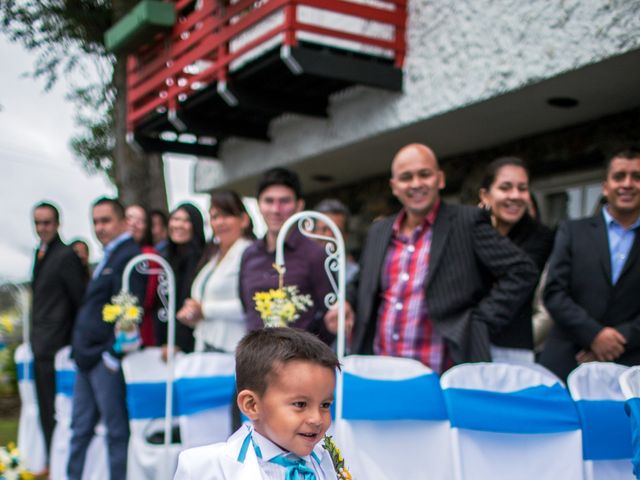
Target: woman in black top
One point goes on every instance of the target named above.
(505, 193)
(184, 250)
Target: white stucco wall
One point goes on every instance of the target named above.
(460, 52)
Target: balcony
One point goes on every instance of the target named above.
(226, 69)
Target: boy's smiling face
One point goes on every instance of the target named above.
(294, 411)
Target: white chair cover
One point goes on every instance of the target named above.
(96, 463)
(204, 390)
(30, 438)
(511, 422)
(394, 423)
(606, 429)
(630, 386)
(146, 373)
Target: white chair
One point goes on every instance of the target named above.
(630, 386)
(204, 390)
(96, 463)
(146, 373)
(394, 423)
(511, 422)
(606, 430)
(30, 438)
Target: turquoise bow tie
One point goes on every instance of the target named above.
(296, 469)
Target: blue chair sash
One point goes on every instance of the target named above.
(191, 395)
(147, 400)
(632, 408)
(606, 430)
(198, 394)
(24, 371)
(539, 409)
(65, 380)
(418, 398)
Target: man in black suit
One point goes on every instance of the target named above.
(592, 290)
(57, 285)
(99, 390)
(435, 277)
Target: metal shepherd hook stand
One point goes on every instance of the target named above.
(335, 262)
(167, 294)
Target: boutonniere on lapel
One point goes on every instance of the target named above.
(336, 458)
(125, 312)
(280, 307)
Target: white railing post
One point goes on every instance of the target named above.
(166, 290)
(335, 262)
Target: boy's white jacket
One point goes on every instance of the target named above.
(220, 461)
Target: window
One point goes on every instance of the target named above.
(568, 196)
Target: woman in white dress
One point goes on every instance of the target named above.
(214, 308)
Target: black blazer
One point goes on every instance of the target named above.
(536, 241)
(91, 335)
(58, 284)
(581, 298)
(477, 280)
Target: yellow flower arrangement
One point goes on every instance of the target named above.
(124, 311)
(10, 468)
(280, 306)
(336, 457)
(6, 323)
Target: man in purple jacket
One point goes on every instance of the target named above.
(279, 197)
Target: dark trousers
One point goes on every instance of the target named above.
(45, 380)
(99, 394)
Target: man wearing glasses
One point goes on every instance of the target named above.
(58, 284)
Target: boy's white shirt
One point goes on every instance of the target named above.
(220, 461)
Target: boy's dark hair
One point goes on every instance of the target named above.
(50, 206)
(260, 352)
(280, 176)
(118, 208)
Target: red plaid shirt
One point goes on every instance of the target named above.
(404, 326)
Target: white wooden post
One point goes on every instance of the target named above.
(335, 262)
(166, 289)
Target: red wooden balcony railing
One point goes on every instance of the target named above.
(211, 35)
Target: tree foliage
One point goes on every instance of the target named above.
(67, 39)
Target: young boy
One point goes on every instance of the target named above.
(285, 379)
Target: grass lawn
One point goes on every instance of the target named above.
(8, 430)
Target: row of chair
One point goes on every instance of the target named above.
(399, 419)
(483, 421)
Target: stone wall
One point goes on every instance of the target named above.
(580, 147)
(459, 53)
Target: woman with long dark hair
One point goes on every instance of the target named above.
(139, 225)
(214, 308)
(185, 248)
(505, 194)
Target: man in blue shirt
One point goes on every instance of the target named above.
(99, 390)
(594, 273)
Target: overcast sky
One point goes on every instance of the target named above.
(36, 163)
